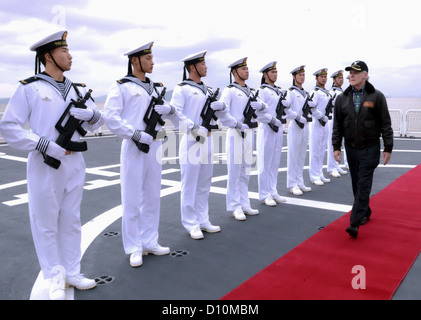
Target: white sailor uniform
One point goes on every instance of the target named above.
(269, 145)
(318, 135)
(140, 173)
(196, 159)
(333, 167)
(54, 194)
(239, 149)
(297, 138)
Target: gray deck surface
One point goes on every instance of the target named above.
(210, 267)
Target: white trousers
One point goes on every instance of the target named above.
(269, 150)
(54, 211)
(332, 164)
(140, 177)
(196, 164)
(239, 163)
(297, 150)
(318, 141)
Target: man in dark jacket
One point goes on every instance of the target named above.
(361, 117)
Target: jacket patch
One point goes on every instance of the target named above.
(368, 104)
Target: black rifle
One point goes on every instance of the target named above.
(280, 111)
(249, 113)
(328, 110)
(306, 111)
(208, 114)
(152, 118)
(67, 129)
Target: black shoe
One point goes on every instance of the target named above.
(353, 231)
(364, 220)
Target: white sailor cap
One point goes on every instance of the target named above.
(320, 72)
(239, 63)
(194, 58)
(297, 70)
(50, 42)
(145, 49)
(268, 67)
(338, 73)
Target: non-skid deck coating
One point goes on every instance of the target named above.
(196, 269)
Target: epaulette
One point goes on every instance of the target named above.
(80, 84)
(158, 84)
(30, 80)
(230, 86)
(124, 80)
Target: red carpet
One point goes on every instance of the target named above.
(321, 267)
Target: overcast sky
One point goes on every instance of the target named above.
(319, 34)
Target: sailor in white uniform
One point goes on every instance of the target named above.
(239, 140)
(333, 167)
(196, 147)
(140, 173)
(269, 139)
(298, 134)
(55, 194)
(318, 129)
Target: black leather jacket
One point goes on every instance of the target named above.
(365, 128)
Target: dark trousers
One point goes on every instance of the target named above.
(362, 163)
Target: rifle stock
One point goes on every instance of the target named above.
(328, 110)
(66, 130)
(306, 109)
(280, 111)
(208, 114)
(152, 118)
(249, 113)
(306, 112)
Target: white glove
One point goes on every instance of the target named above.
(163, 109)
(258, 106)
(325, 119)
(276, 122)
(264, 118)
(200, 131)
(145, 138)
(302, 119)
(241, 126)
(217, 105)
(142, 137)
(82, 114)
(221, 114)
(55, 151)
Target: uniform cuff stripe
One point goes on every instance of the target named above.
(136, 136)
(42, 145)
(95, 118)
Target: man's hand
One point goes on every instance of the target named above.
(386, 157)
(82, 114)
(337, 155)
(163, 109)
